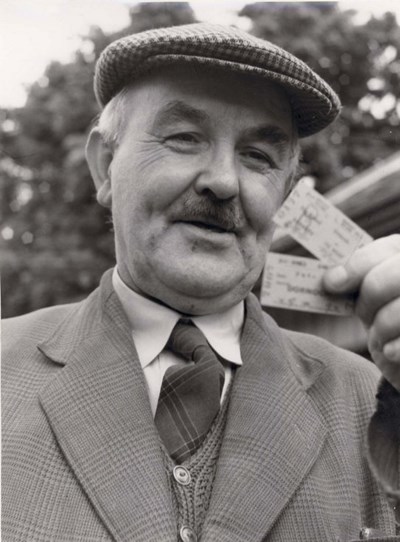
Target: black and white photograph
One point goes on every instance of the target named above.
(200, 271)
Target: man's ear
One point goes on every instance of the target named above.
(99, 158)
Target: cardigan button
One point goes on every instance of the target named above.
(187, 534)
(367, 533)
(182, 475)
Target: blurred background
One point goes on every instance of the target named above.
(56, 241)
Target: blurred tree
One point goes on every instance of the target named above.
(55, 239)
(361, 62)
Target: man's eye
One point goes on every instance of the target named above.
(184, 137)
(257, 160)
(257, 156)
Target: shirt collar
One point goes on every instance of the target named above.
(152, 324)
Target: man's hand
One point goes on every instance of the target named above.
(373, 272)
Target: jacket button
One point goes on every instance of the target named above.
(187, 534)
(182, 475)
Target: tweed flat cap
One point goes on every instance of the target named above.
(314, 103)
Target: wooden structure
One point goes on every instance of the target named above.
(372, 200)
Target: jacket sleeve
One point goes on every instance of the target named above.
(384, 443)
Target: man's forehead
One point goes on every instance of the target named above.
(176, 110)
(179, 110)
(213, 80)
(193, 93)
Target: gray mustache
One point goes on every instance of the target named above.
(224, 214)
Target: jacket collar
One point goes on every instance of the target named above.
(100, 414)
(99, 312)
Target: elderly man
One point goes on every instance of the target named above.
(166, 405)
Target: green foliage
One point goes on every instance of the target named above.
(56, 240)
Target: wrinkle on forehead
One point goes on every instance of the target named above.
(177, 110)
(190, 84)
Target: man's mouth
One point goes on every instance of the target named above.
(208, 215)
(210, 226)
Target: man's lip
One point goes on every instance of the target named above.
(207, 224)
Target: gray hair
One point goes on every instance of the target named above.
(111, 122)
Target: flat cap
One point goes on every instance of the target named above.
(314, 103)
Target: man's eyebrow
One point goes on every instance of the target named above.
(270, 133)
(178, 110)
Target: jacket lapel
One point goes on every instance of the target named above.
(98, 408)
(272, 438)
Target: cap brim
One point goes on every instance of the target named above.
(315, 105)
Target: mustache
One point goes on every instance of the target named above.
(224, 214)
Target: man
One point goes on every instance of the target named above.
(195, 150)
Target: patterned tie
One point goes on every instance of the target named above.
(190, 395)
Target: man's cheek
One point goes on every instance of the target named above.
(259, 212)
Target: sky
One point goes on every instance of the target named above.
(34, 32)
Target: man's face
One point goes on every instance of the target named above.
(201, 167)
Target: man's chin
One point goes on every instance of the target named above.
(204, 295)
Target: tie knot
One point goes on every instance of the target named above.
(185, 339)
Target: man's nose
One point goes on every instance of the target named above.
(220, 176)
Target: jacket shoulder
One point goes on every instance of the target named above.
(331, 373)
(32, 327)
(326, 354)
(20, 357)
(24, 367)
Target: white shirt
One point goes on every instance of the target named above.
(152, 324)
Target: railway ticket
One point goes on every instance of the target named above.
(320, 227)
(295, 282)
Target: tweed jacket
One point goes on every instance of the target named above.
(82, 458)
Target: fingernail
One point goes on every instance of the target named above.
(338, 276)
(390, 351)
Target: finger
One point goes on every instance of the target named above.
(389, 365)
(391, 350)
(380, 287)
(386, 324)
(348, 277)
